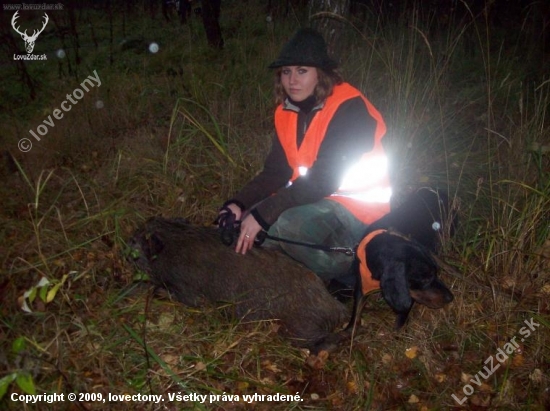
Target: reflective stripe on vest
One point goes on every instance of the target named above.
(365, 190)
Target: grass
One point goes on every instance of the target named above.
(182, 129)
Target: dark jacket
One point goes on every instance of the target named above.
(349, 134)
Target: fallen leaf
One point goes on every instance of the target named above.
(242, 385)
(480, 401)
(386, 359)
(170, 359)
(318, 361)
(352, 387)
(465, 378)
(268, 365)
(508, 282)
(413, 399)
(518, 360)
(411, 352)
(200, 366)
(536, 376)
(440, 377)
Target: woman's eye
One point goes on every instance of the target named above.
(286, 72)
(302, 71)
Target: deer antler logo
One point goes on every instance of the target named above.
(29, 40)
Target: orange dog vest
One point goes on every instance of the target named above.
(368, 283)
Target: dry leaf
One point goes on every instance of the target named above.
(318, 361)
(267, 381)
(165, 320)
(536, 376)
(242, 385)
(480, 401)
(386, 359)
(352, 387)
(170, 359)
(411, 352)
(268, 365)
(440, 377)
(518, 360)
(413, 399)
(200, 366)
(508, 282)
(465, 378)
(545, 289)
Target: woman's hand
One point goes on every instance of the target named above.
(249, 230)
(235, 209)
(224, 213)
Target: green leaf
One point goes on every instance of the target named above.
(32, 294)
(25, 382)
(5, 383)
(55, 289)
(18, 345)
(42, 293)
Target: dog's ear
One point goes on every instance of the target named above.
(422, 269)
(395, 288)
(402, 318)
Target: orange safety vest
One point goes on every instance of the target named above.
(363, 200)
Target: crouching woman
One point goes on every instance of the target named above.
(325, 178)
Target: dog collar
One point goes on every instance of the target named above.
(368, 284)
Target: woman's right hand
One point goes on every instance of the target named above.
(234, 208)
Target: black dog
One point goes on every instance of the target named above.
(394, 256)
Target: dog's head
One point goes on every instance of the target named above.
(407, 274)
(425, 215)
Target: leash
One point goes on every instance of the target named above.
(262, 235)
(230, 228)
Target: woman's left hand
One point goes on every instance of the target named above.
(249, 230)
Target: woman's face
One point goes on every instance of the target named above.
(299, 81)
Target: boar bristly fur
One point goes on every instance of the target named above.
(197, 268)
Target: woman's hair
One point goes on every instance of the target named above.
(327, 79)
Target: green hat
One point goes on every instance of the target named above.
(306, 48)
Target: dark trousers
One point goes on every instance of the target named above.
(326, 223)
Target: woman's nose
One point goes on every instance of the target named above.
(292, 78)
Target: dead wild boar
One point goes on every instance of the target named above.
(196, 268)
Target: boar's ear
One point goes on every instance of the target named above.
(395, 288)
(153, 245)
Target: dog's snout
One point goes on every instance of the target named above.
(448, 297)
(437, 296)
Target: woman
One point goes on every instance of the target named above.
(326, 130)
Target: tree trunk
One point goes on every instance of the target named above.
(211, 22)
(329, 18)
